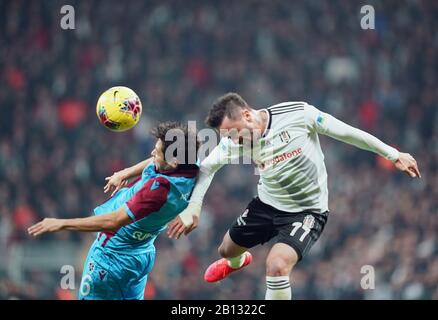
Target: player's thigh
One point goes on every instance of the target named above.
(300, 231)
(99, 280)
(136, 270)
(254, 226)
(136, 288)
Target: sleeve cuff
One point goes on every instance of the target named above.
(129, 212)
(393, 154)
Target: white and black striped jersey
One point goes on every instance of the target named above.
(289, 158)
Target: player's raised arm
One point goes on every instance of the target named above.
(105, 222)
(150, 198)
(188, 219)
(120, 178)
(326, 124)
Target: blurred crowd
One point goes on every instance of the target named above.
(179, 56)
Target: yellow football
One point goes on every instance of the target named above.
(119, 108)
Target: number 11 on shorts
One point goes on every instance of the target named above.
(298, 225)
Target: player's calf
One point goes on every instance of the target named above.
(232, 252)
(229, 249)
(277, 278)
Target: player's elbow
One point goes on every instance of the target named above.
(112, 223)
(109, 225)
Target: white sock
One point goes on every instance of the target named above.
(236, 262)
(278, 288)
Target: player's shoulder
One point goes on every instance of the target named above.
(149, 170)
(226, 143)
(156, 183)
(287, 113)
(161, 180)
(287, 107)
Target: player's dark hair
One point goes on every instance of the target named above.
(227, 105)
(170, 132)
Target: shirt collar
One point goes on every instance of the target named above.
(184, 170)
(268, 126)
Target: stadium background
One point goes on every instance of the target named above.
(180, 55)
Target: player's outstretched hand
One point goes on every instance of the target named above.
(186, 221)
(46, 225)
(177, 227)
(407, 163)
(115, 183)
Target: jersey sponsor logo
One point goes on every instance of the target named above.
(155, 185)
(260, 165)
(138, 235)
(280, 158)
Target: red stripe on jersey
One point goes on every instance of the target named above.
(108, 235)
(150, 198)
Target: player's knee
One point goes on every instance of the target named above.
(278, 266)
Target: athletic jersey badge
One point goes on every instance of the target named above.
(309, 221)
(155, 185)
(102, 274)
(284, 136)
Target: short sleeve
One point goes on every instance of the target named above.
(150, 198)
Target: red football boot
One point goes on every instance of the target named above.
(220, 269)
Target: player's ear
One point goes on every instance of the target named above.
(173, 163)
(246, 114)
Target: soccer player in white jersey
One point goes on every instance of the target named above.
(292, 202)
